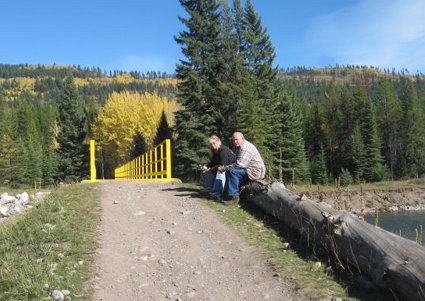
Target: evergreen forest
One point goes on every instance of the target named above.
(358, 123)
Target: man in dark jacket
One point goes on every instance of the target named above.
(221, 156)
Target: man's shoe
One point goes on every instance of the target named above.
(206, 191)
(216, 196)
(233, 201)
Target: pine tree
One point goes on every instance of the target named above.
(139, 146)
(7, 147)
(164, 130)
(319, 172)
(229, 75)
(197, 88)
(358, 156)
(389, 116)
(313, 135)
(292, 142)
(258, 77)
(373, 168)
(190, 133)
(413, 133)
(50, 168)
(35, 164)
(73, 151)
(332, 119)
(19, 172)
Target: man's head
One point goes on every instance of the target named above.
(214, 142)
(237, 139)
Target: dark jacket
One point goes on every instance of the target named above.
(223, 156)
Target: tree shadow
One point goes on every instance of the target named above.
(191, 192)
(356, 285)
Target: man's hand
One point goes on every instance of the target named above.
(205, 168)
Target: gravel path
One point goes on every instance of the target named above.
(159, 242)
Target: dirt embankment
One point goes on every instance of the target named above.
(384, 200)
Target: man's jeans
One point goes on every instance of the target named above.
(235, 175)
(215, 181)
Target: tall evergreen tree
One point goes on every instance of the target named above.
(19, 172)
(258, 77)
(50, 165)
(140, 146)
(7, 146)
(332, 119)
(190, 133)
(164, 130)
(389, 116)
(413, 133)
(357, 156)
(292, 142)
(319, 172)
(73, 149)
(313, 135)
(35, 164)
(373, 168)
(197, 88)
(229, 88)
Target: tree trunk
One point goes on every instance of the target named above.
(390, 261)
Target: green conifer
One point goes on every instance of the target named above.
(164, 130)
(291, 140)
(73, 148)
(197, 89)
(413, 133)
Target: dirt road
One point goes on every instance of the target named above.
(159, 242)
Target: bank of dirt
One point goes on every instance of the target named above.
(412, 198)
(160, 242)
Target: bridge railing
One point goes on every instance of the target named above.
(154, 164)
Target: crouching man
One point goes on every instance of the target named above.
(248, 165)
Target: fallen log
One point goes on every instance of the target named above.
(390, 261)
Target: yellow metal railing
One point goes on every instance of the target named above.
(154, 164)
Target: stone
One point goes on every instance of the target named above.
(41, 195)
(57, 295)
(23, 198)
(316, 266)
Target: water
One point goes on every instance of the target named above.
(405, 222)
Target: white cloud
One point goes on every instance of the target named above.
(382, 33)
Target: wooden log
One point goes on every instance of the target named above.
(390, 261)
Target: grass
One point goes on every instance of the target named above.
(299, 261)
(51, 247)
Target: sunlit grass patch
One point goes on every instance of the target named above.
(51, 246)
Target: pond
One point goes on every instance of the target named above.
(401, 222)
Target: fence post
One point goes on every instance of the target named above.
(92, 161)
(168, 153)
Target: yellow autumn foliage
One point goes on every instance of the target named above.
(124, 78)
(24, 84)
(127, 113)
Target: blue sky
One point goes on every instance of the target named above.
(139, 34)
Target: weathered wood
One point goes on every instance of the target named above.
(390, 261)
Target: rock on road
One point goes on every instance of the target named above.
(160, 242)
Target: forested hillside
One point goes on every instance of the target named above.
(360, 123)
(48, 114)
(355, 122)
